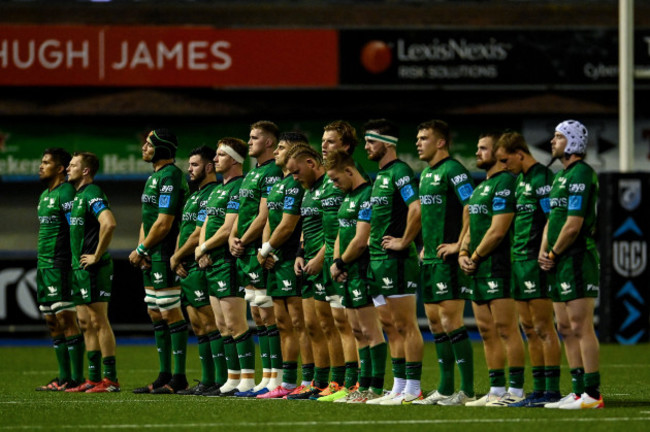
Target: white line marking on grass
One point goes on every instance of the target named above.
(58, 401)
(330, 423)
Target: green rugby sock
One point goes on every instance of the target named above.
(231, 354)
(378, 357)
(365, 369)
(539, 378)
(321, 377)
(75, 346)
(351, 374)
(164, 346)
(263, 341)
(516, 377)
(552, 375)
(338, 374)
(94, 365)
(445, 363)
(497, 377)
(110, 368)
(577, 380)
(246, 351)
(62, 357)
(218, 357)
(464, 356)
(275, 349)
(289, 372)
(178, 335)
(205, 357)
(592, 384)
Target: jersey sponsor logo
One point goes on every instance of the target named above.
(48, 219)
(493, 287)
(331, 202)
(525, 208)
(591, 287)
(431, 199)
(233, 205)
(67, 206)
(545, 204)
(458, 179)
(254, 277)
(190, 216)
(530, 287)
(222, 286)
(465, 191)
(289, 202)
(157, 277)
(478, 209)
(503, 193)
(407, 192)
(246, 193)
(275, 205)
(379, 200)
(558, 202)
(357, 295)
(543, 190)
(170, 189)
(498, 204)
(201, 216)
(388, 283)
(292, 191)
(465, 290)
(320, 288)
(97, 205)
(442, 288)
(575, 202)
(271, 179)
(309, 211)
(164, 201)
(576, 187)
(287, 285)
(149, 199)
(347, 223)
(403, 181)
(77, 221)
(365, 214)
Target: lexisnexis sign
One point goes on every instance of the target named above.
(166, 56)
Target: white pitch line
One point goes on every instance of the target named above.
(332, 423)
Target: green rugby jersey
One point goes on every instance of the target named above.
(224, 199)
(356, 207)
(445, 188)
(492, 197)
(312, 219)
(194, 216)
(285, 197)
(164, 192)
(255, 186)
(574, 193)
(54, 232)
(89, 202)
(533, 206)
(331, 200)
(394, 189)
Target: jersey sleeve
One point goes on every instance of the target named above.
(542, 188)
(365, 209)
(97, 203)
(462, 183)
(233, 202)
(292, 199)
(503, 200)
(406, 183)
(579, 186)
(66, 199)
(171, 195)
(267, 183)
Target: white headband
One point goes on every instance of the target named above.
(383, 138)
(231, 152)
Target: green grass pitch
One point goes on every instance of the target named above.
(625, 373)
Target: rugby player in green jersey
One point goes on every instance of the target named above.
(54, 293)
(568, 252)
(445, 188)
(246, 238)
(281, 240)
(305, 164)
(529, 283)
(393, 271)
(162, 204)
(350, 269)
(337, 135)
(226, 294)
(195, 295)
(91, 230)
(485, 254)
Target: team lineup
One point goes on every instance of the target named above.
(331, 265)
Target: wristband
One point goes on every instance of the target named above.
(552, 255)
(141, 250)
(202, 247)
(300, 253)
(266, 249)
(463, 252)
(479, 257)
(339, 264)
